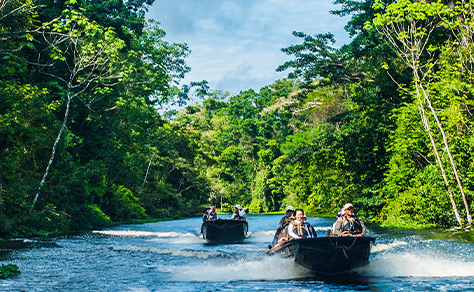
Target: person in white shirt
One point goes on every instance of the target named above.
(239, 213)
(297, 229)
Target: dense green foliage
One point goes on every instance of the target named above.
(346, 125)
(82, 144)
(9, 271)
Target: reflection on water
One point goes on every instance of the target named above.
(172, 256)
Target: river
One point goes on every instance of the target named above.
(171, 256)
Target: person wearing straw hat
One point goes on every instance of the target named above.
(349, 224)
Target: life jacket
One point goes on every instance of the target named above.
(299, 229)
(353, 226)
(212, 215)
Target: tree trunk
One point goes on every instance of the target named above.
(426, 125)
(146, 174)
(451, 160)
(53, 151)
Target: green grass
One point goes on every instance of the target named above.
(150, 220)
(451, 234)
(269, 213)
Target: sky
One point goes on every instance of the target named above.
(236, 44)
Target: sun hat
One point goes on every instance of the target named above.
(289, 208)
(237, 206)
(347, 206)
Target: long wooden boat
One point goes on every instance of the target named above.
(224, 231)
(327, 255)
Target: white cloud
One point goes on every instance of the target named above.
(235, 44)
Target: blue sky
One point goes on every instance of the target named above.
(236, 44)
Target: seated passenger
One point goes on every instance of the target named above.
(283, 235)
(349, 224)
(212, 215)
(311, 230)
(297, 229)
(206, 214)
(239, 213)
(284, 221)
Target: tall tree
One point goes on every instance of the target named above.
(412, 29)
(90, 53)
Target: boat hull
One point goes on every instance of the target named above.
(327, 255)
(224, 231)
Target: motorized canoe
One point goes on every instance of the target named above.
(327, 255)
(224, 231)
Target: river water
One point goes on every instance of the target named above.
(171, 256)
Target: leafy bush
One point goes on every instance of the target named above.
(162, 202)
(9, 271)
(123, 206)
(48, 221)
(422, 203)
(86, 217)
(256, 206)
(227, 208)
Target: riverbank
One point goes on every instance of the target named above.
(31, 232)
(456, 234)
(434, 233)
(465, 235)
